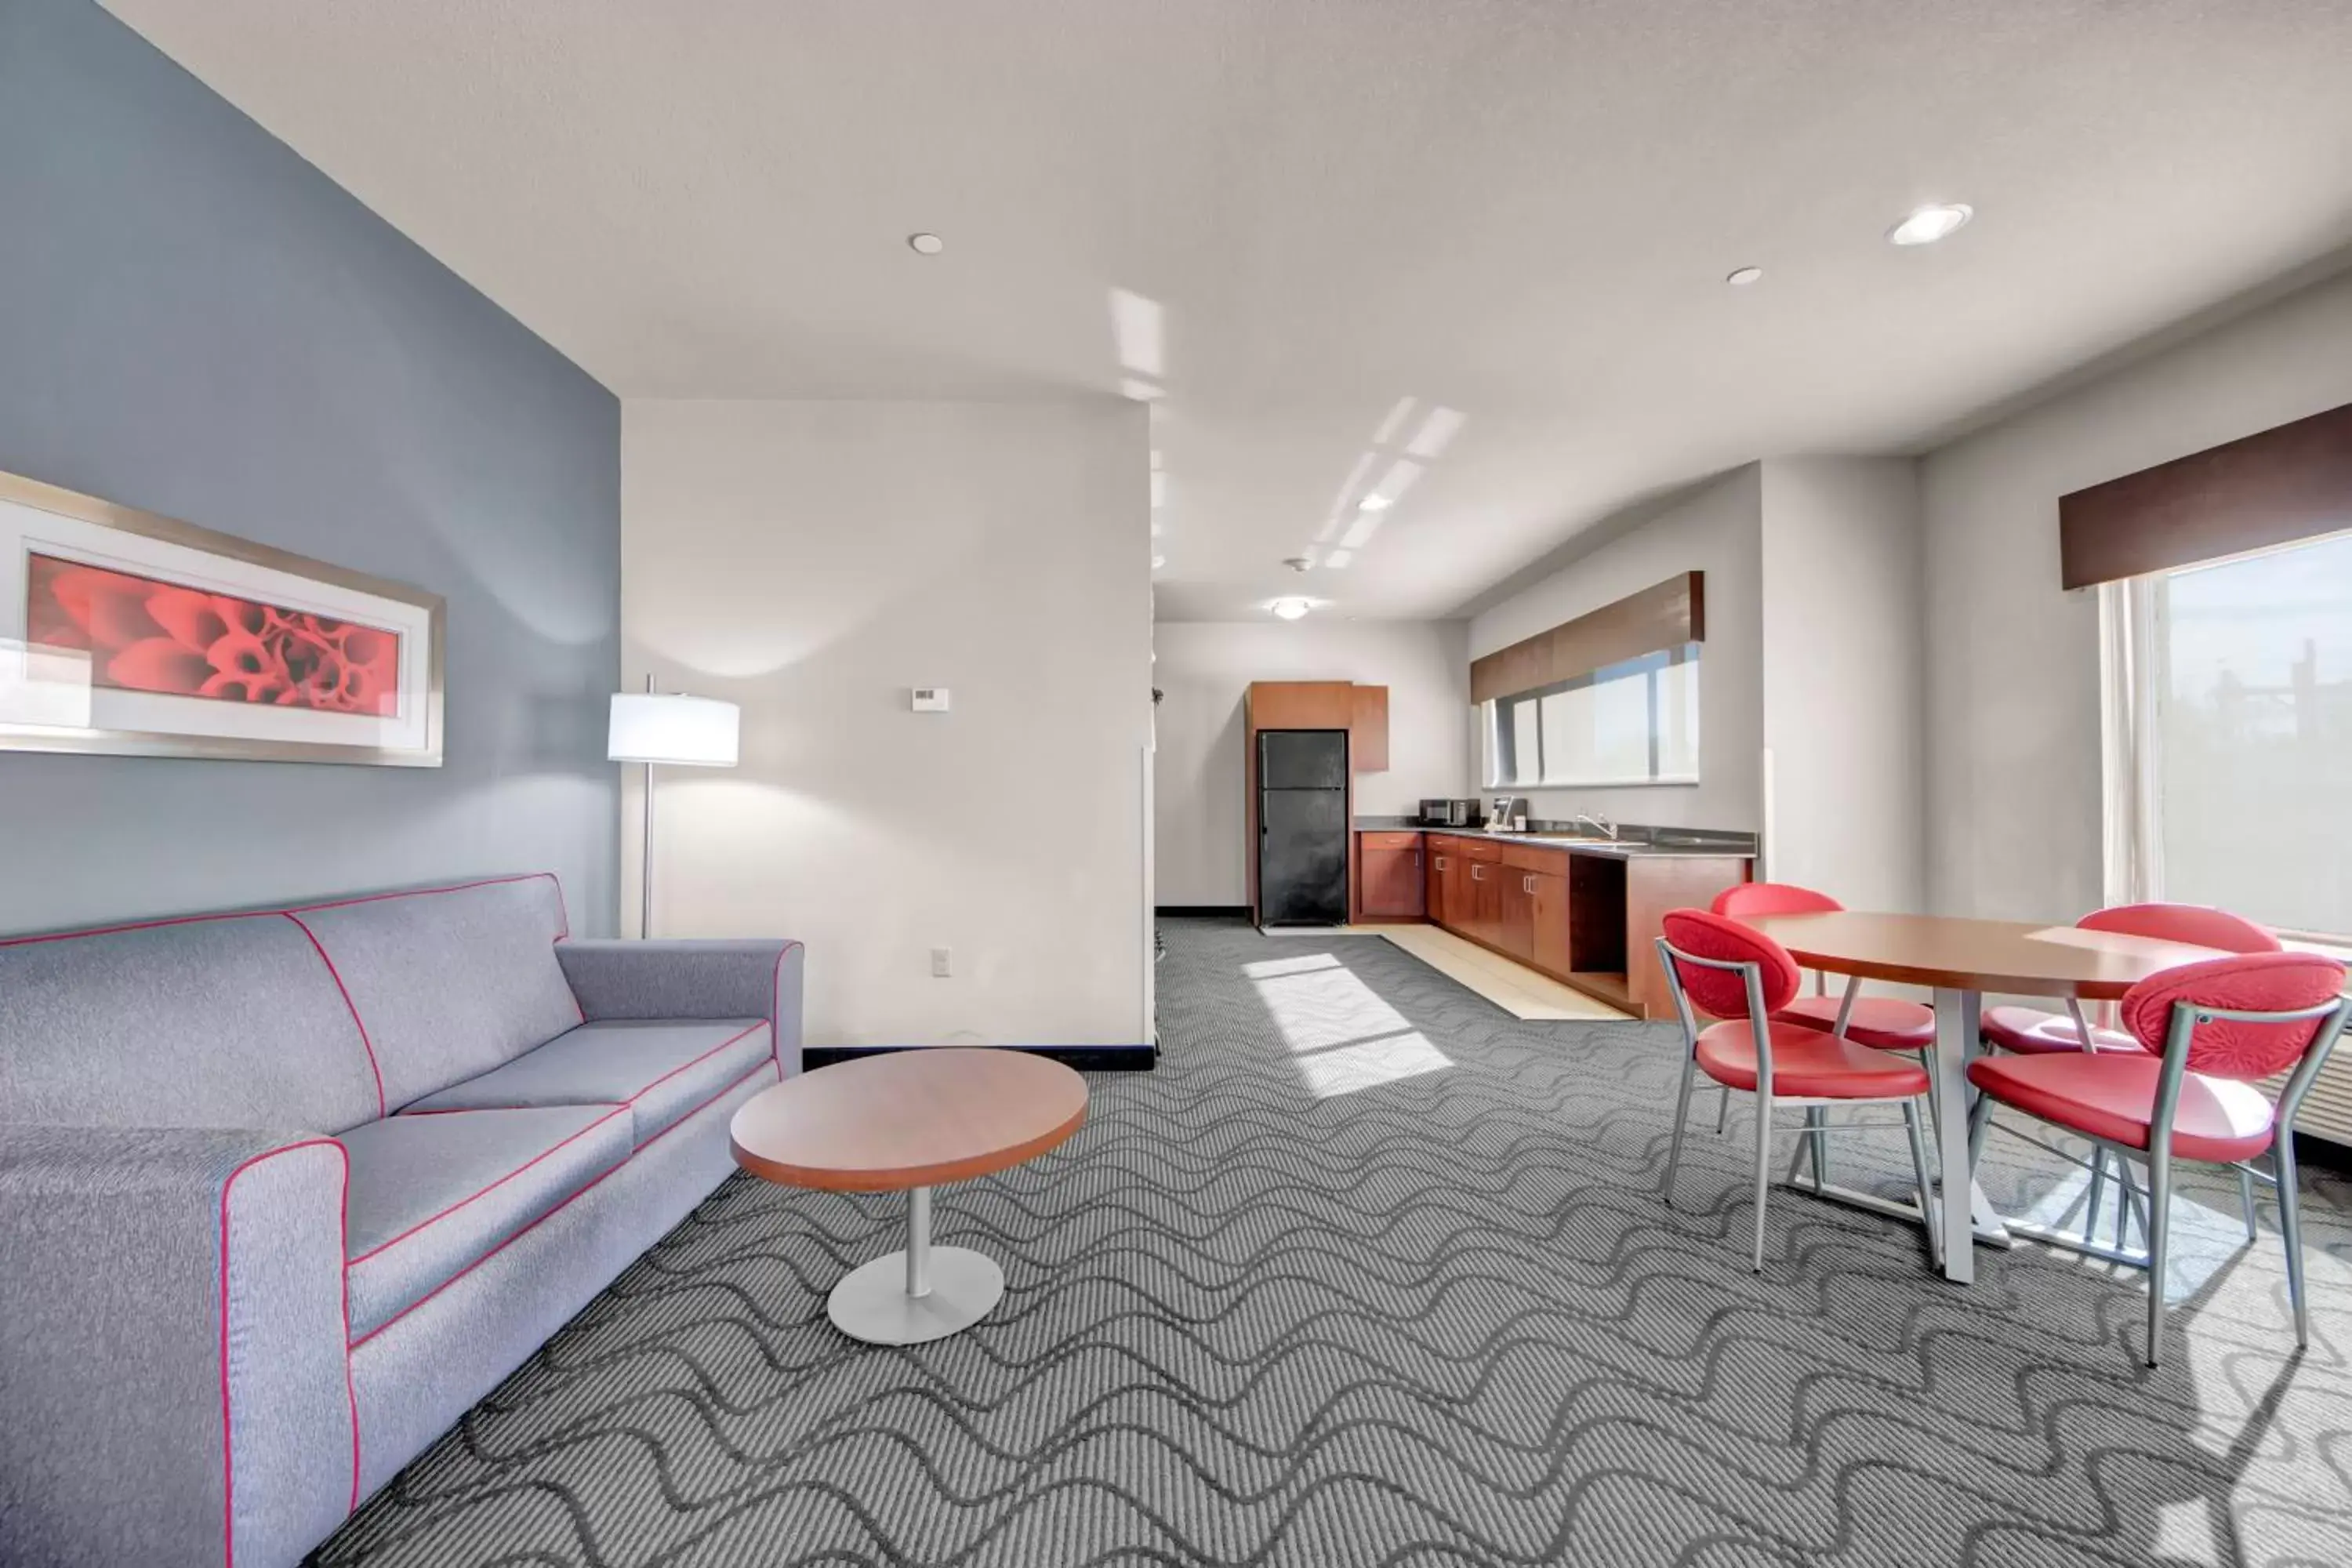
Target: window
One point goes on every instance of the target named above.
(1631, 723)
(2230, 736)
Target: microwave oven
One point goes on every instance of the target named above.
(1451, 813)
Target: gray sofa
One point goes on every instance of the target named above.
(283, 1193)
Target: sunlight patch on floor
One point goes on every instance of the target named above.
(1347, 1069)
(1344, 1036)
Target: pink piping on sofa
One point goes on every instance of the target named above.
(587, 1188)
(351, 1392)
(352, 1008)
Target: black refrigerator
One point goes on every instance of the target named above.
(1302, 826)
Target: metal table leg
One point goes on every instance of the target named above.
(923, 1293)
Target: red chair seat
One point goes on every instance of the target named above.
(2030, 1032)
(2112, 1097)
(1883, 1023)
(1807, 1064)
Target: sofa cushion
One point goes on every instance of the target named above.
(449, 982)
(208, 1021)
(433, 1196)
(661, 1069)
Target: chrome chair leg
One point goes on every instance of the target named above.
(1682, 1114)
(2246, 1202)
(1919, 1174)
(2098, 1190)
(2159, 1216)
(1763, 1170)
(2291, 1230)
(1722, 1111)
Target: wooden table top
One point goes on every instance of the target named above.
(1952, 953)
(907, 1118)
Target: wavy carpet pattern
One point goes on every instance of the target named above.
(1368, 1272)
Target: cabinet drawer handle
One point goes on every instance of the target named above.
(1477, 873)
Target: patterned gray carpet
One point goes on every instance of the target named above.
(1368, 1272)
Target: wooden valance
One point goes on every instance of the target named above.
(1666, 616)
(2290, 483)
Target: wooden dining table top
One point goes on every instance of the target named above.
(905, 1119)
(1955, 954)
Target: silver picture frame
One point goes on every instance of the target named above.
(18, 736)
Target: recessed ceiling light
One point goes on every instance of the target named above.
(1740, 278)
(1374, 503)
(926, 243)
(1930, 223)
(1291, 609)
(1158, 562)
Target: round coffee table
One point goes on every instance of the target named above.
(908, 1122)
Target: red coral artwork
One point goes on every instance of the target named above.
(146, 635)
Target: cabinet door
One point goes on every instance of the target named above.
(1391, 881)
(1517, 895)
(1486, 902)
(1432, 883)
(1549, 917)
(1461, 893)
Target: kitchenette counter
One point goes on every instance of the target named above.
(1648, 841)
(1581, 909)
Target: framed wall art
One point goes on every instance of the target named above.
(128, 634)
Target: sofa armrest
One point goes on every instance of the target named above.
(174, 1356)
(708, 979)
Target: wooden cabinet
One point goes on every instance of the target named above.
(1548, 920)
(1654, 886)
(1437, 859)
(1516, 930)
(1390, 867)
(1368, 730)
(1301, 705)
(1487, 902)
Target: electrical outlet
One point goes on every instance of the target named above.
(941, 964)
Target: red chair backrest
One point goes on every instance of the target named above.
(2196, 924)
(1723, 993)
(2252, 983)
(1750, 900)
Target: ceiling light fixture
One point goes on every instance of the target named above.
(1291, 609)
(1374, 503)
(1930, 223)
(926, 243)
(1741, 277)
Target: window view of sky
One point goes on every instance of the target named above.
(2255, 735)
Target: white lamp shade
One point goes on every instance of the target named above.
(664, 727)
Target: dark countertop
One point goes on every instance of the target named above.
(1645, 843)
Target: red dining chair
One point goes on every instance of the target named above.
(2030, 1031)
(2207, 1032)
(1887, 1023)
(1743, 978)
(1884, 1023)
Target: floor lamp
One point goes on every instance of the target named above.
(673, 730)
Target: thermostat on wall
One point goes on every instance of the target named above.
(930, 699)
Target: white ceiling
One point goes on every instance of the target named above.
(1521, 210)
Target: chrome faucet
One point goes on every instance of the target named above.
(1597, 822)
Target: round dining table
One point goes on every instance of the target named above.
(1961, 959)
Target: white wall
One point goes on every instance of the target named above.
(1844, 678)
(815, 561)
(1205, 667)
(2013, 732)
(1714, 531)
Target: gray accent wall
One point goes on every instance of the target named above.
(196, 321)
